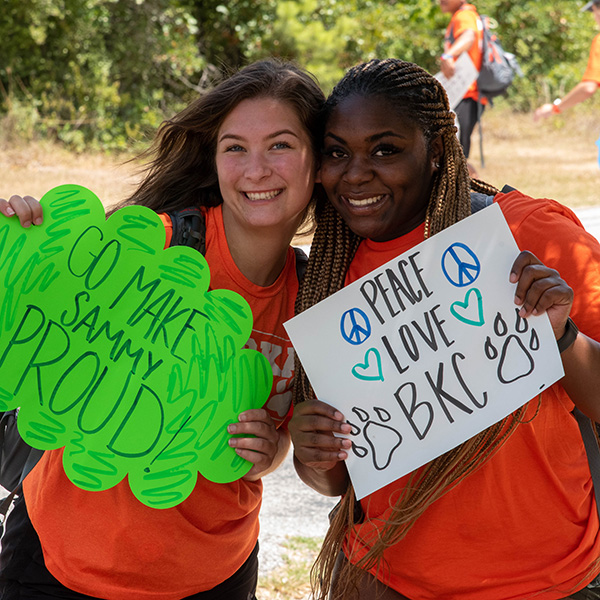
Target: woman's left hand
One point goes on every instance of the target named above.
(541, 289)
(262, 445)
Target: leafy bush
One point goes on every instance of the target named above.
(102, 73)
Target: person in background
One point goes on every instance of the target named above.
(246, 154)
(590, 81)
(464, 34)
(510, 513)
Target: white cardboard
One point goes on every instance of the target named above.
(464, 75)
(417, 378)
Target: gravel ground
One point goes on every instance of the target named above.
(289, 509)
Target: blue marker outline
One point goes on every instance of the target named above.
(476, 266)
(367, 331)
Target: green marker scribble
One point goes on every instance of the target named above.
(116, 350)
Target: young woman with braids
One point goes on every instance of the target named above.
(246, 153)
(510, 513)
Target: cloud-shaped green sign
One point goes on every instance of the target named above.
(114, 348)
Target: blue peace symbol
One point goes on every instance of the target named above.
(462, 262)
(355, 326)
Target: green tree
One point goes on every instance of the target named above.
(96, 71)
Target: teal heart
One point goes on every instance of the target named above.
(369, 371)
(464, 311)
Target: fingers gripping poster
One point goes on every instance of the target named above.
(116, 350)
(426, 351)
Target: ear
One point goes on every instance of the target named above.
(436, 153)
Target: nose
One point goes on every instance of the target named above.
(257, 167)
(358, 170)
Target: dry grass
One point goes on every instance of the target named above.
(36, 168)
(556, 158)
(291, 581)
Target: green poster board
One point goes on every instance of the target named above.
(114, 349)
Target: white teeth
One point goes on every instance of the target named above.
(365, 201)
(262, 195)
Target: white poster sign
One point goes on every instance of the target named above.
(426, 351)
(464, 75)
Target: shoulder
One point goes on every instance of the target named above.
(520, 210)
(556, 236)
(549, 229)
(466, 17)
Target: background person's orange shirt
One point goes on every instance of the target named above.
(462, 20)
(592, 72)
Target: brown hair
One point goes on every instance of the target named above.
(181, 171)
(422, 99)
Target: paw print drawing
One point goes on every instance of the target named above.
(383, 440)
(515, 359)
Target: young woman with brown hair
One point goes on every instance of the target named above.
(246, 154)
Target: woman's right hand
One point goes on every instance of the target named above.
(312, 428)
(26, 208)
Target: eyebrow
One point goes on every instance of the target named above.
(372, 138)
(233, 136)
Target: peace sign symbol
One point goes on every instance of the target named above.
(355, 326)
(460, 265)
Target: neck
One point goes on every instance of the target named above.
(259, 253)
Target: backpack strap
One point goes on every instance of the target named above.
(480, 201)
(32, 459)
(301, 262)
(590, 440)
(189, 228)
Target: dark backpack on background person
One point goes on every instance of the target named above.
(498, 67)
(17, 457)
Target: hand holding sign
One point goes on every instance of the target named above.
(429, 350)
(115, 349)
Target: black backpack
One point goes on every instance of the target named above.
(498, 67)
(17, 457)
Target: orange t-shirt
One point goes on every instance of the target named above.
(108, 544)
(592, 72)
(525, 524)
(465, 18)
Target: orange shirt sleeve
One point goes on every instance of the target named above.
(592, 72)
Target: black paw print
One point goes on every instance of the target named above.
(382, 439)
(516, 358)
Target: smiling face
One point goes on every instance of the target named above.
(376, 167)
(265, 165)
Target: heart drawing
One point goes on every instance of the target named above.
(470, 311)
(370, 370)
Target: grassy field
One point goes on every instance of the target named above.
(557, 159)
